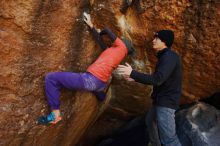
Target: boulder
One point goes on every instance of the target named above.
(199, 125)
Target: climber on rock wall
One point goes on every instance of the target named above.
(94, 79)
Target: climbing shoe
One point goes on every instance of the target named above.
(49, 119)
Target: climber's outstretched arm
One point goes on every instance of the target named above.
(98, 39)
(110, 34)
(95, 33)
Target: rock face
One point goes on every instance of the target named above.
(37, 37)
(199, 126)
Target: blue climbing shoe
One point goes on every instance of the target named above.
(49, 119)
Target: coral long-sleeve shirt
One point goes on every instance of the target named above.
(108, 60)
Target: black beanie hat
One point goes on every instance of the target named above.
(166, 36)
(129, 45)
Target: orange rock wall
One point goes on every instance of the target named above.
(37, 37)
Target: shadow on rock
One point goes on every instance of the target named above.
(132, 134)
(213, 100)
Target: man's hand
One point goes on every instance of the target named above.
(124, 70)
(87, 19)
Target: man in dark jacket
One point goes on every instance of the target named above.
(166, 81)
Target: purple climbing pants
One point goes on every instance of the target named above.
(54, 81)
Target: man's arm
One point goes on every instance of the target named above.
(162, 73)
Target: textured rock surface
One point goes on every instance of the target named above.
(199, 125)
(37, 37)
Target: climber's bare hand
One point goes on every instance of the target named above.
(87, 19)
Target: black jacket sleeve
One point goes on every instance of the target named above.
(164, 68)
(98, 39)
(108, 32)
